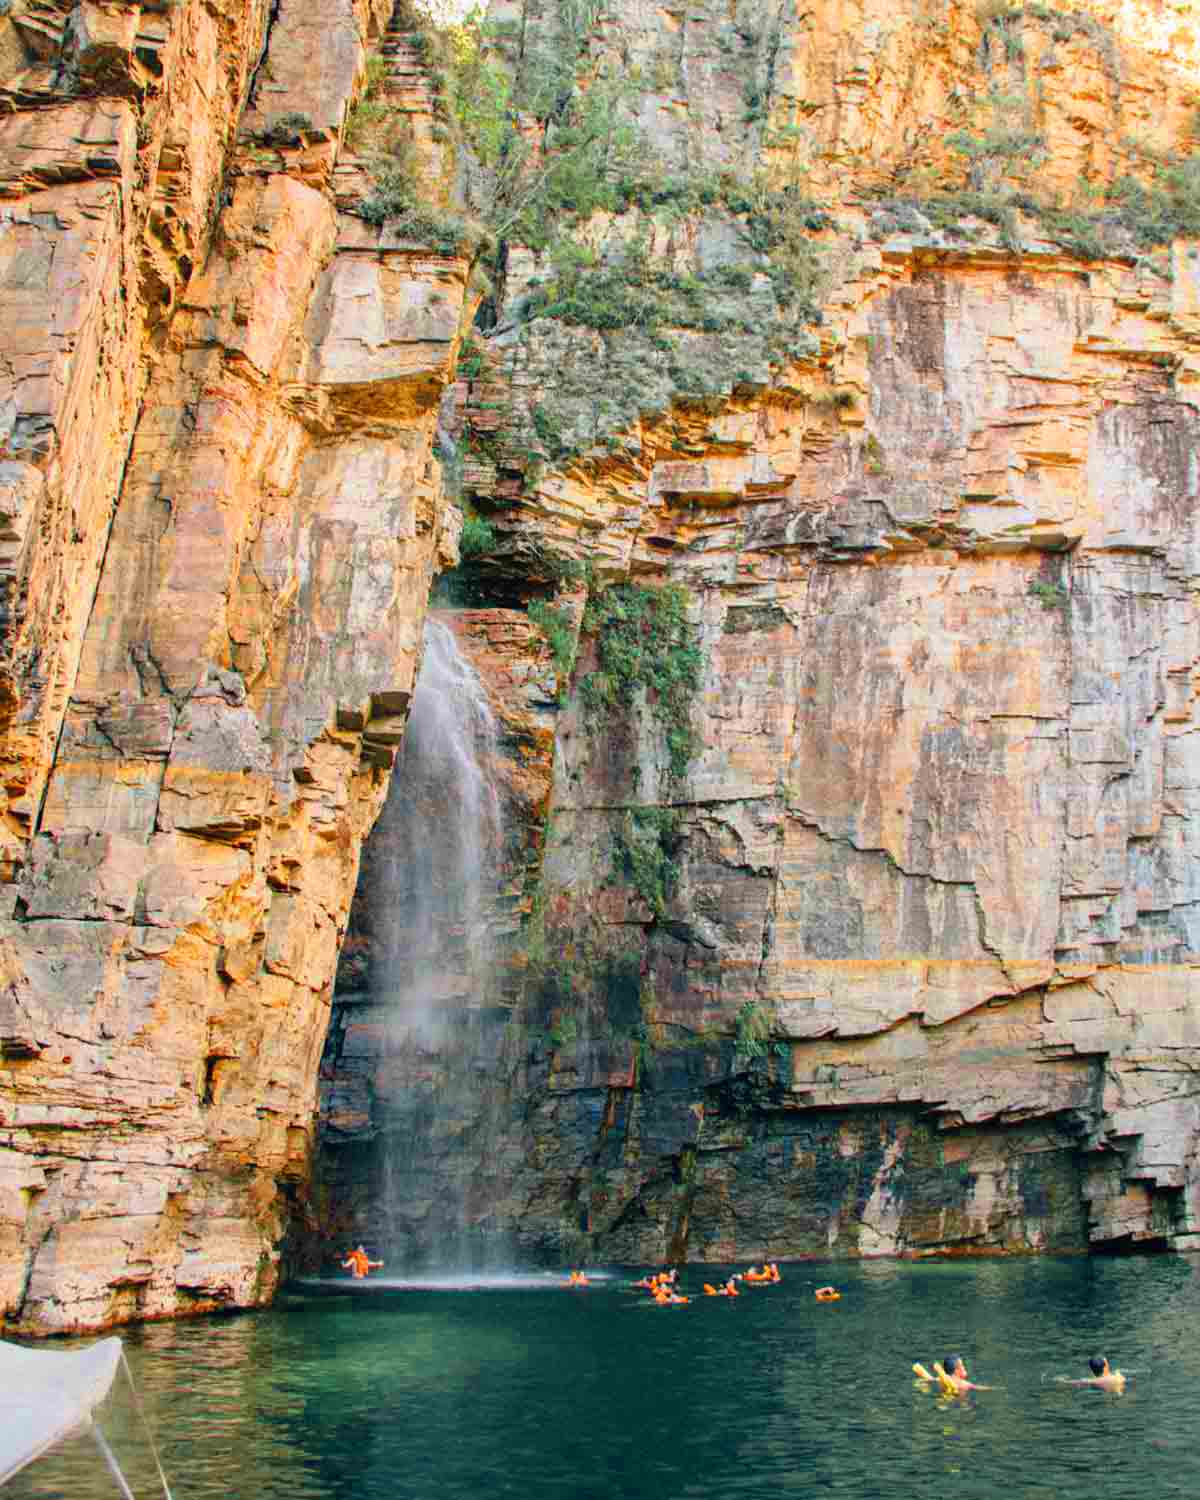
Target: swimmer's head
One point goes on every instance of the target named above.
(952, 1364)
(1098, 1365)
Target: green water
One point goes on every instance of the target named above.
(535, 1393)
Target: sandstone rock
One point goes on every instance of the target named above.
(212, 579)
(936, 856)
(938, 837)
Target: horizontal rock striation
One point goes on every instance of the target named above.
(905, 961)
(865, 919)
(223, 524)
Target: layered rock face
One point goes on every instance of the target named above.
(904, 958)
(880, 937)
(221, 521)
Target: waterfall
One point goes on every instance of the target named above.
(431, 1032)
(443, 833)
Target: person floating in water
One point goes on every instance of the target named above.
(827, 1294)
(1102, 1378)
(358, 1265)
(728, 1290)
(667, 1296)
(952, 1378)
(578, 1278)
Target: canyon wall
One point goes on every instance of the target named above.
(864, 920)
(903, 958)
(221, 521)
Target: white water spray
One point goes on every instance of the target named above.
(421, 1049)
(443, 846)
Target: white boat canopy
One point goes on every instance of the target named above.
(45, 1395)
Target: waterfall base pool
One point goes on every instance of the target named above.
(464, 1281)
(536, 1391)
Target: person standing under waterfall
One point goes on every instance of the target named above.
(358, 1265)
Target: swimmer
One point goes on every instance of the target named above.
(827, 1294)
(577, 1278)
(358, 1265)
(773, 1269)
(1102, 1378)
(953, 1378)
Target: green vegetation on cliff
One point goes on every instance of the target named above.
(544, 117)
(533, 150)
(1001, 149)
(645, 846)
(1131, 218)
(478, 537)
(645, 642)
(558, 628)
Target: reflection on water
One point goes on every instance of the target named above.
(460, 1281)
(530, 1390)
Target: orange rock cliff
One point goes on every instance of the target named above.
(851, 352)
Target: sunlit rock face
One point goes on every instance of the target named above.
(221, 519)
(923, 979)
(920, 976)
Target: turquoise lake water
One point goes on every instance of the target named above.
(532, 1391)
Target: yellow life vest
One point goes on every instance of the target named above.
(947, 1386)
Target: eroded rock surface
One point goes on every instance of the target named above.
(904, 959)
(224, 519)
(925, 974)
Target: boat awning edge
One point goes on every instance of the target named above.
(45, 1395)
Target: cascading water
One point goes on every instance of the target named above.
(442, 846)
(427, 1029)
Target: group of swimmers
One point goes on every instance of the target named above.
(951, 1377)
(664, 1290)
(752, 1277)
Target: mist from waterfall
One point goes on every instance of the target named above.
(435, 897)
(444, 837)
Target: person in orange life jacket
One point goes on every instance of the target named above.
(358, 1264)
